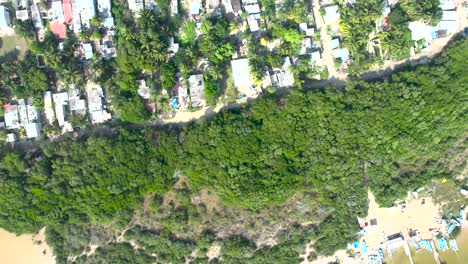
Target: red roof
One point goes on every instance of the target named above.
(67, 11)
(58, 29)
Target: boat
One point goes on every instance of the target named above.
(453, 244)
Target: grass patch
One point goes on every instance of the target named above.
(8, 50)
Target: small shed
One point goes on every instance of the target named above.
(5, 20)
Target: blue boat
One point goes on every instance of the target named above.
(381, 256)
(442, 244)
(426, 244)
(364, 247)
(416, 245)
(453, 244)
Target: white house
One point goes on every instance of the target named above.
(331, 14)
(197, 88)
(5, 20)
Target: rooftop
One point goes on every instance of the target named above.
(197, 87)
(241, 73)
(331, 14)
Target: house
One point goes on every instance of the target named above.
(331, 14)
(306, 46)
(449, 15)
(48, 108)
(57, 19)
(335, 43)
(95, 107)
(108, 50)
(174, 7)
(447, 5)
(195, 6)
(36, 17)
(315, 56)
(173, 47)
(283, 77)
(77, 104)
(241, 74)
(67, 12)
(419, 30)
(253, 23)
(11, 116)
(236, 6)
(180, 90)
(10, 138)
(342, 54)
(22, 112)
(303, 28)
(104, 8)
(143, 90)
(87, 51)
(227, 6)
(196, 87)
(22, 15)
(449, 27)
(252, 9)
(83, 12)
(32, 130)
(5, 20)
(60, 101)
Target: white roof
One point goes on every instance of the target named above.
(22, 112)
(342, 54)
(419, 30)
(32, 113)
(195, 8)
(450, 26)
(11, 117)
(98, 115)
(56, 11)
(174, 7)
(449, 15)
(315, 56)
(48, 107)
(22, 14)
(10, 138)
(335, 43)
(36, 17)
(88, 51)
(241, 73)
(331, 14)
(252, 9)
(143, 90)
(253, 23)
(32, 130)
(306, 45)
(4, 17)
(197, 87)
(60, 100)
(108, 22)
(86, 11)
(447, 4)
(104, 8)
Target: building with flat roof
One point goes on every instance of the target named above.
(241, 74)
(136, 6)
(95, 107)
(49, 108)
(197, 88)
(11, 116)
(5, 20)
(60, 101)
(331, 14)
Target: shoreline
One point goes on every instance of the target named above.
(25, 249)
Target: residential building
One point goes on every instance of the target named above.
(108, 50)
(57, 19)
(447, 5)
(252, 9)
(77, 104)
(10, 138)
(136, 6)
(303, 28)
(22, 15)
(315, 56)
(95, 108)
(342, 54)
(36, 17)
(253, 23)
(283, 77)
(49, 108)
(335, 43)
(5, 20)
(32, 130)
(419, 30)
(83, 12)
(67, 12)
(241, 74)
(306, 46)
(173, 47)
(22, 112)
(331, 14)
(104, 8)
(143, 90)
(195, 6)
(60, 101)
(87, 51)
(196, 87)
(11, 116)
(174, 7)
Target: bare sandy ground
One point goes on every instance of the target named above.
(24, 249)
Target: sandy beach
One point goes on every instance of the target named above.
(24, 249)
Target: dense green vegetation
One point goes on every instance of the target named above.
(391, 136)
